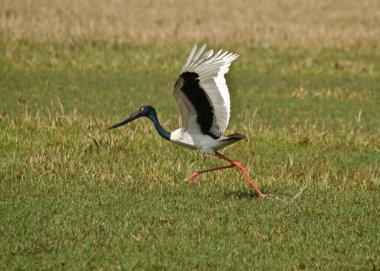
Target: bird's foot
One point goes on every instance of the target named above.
(263, 196)
(193, 177)
(271, 197)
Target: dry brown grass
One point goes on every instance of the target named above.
(291, 22)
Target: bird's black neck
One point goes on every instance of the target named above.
(165, 134)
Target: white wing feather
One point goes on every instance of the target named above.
(190, 57)
(211, 70)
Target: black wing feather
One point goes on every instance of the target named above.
(199, 99)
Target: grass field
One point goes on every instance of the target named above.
(76, 197)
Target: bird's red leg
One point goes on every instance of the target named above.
(195, 174)
(240, 166)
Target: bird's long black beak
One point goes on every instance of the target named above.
(130, 118)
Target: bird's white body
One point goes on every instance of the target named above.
(204, 143)
(193, 138)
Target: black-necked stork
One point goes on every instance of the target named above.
(204, 101)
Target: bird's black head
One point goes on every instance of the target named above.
(147, 110)
(144, 111)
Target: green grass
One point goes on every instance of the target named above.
(74, 196)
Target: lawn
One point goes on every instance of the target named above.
(75, 196)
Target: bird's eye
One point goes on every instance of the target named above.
(142, 109)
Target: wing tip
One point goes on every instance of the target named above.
(197, 58)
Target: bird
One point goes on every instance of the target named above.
(203, 99)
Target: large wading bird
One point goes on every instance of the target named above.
(204, 101)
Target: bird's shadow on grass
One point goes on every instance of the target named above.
(253, 195)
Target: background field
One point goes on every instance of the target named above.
(280, 22)
(305, 91)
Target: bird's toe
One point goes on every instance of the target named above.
(193, 177)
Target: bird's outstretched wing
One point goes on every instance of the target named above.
(201, 91)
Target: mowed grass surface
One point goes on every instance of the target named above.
(74, 196)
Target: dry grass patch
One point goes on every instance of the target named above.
(295, 22)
